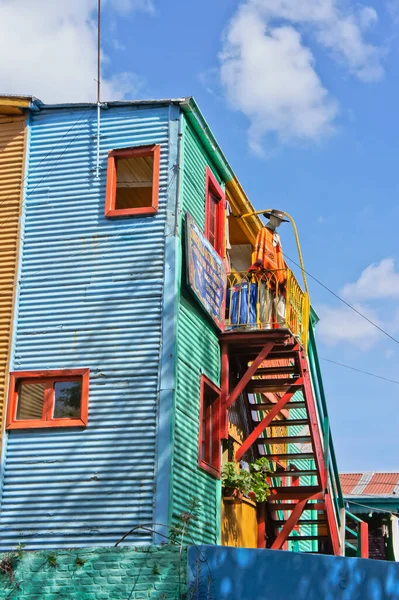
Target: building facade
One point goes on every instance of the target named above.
(131, 377)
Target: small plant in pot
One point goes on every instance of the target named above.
(251, 483)
(235, 483)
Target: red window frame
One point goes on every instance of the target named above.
(209, 429)
(110, 193)
(49, 378)
(213, 192)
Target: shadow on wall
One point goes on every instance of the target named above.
(220, 573)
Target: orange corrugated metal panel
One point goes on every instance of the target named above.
(381, 483)
(349, 481)
(12, 150)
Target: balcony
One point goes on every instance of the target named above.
(267, 300)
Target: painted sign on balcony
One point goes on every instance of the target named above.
(206, 274)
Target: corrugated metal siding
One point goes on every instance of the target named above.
(12, 150)
(91, 296)
(198, 352)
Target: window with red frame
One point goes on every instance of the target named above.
(132, 181)
(48, 399)
(215, 213)
(209, 438)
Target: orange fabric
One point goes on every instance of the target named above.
(267, 256)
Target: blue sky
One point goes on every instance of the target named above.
(303, 99)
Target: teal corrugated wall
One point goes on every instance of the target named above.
(197, 352)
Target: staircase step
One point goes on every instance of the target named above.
(287, 370)
(257, 386)
(308, 490)
(269, 405)
(319, 506)
(306, 538)
(302, 522)
(289, 439)
(279, 353)
(287, 422)
(299, 456)
(299, 473)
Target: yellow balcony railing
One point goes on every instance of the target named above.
(267, 300)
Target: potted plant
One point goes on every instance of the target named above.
(235, 483)
(251, 483)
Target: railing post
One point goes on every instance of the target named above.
(326, 443)
(342, 518)
(364, 539)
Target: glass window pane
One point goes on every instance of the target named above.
(30, 401)
(67, 399)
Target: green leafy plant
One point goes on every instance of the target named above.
(79, 562)
(233, 479)
(52, 560)
(176, 533)
(252, 483)
(10, 560)
(260, 470)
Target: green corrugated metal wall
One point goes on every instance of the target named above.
(197, 352)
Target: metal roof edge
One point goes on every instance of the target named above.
(110, 103)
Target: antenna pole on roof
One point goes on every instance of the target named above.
(98, 85)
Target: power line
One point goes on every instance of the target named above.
(359, 370)
(344, 301)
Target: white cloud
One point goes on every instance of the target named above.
(335, 26)
(341, 324)
(269, 74)
(377, 281)
(49, 50)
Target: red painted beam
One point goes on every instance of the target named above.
(332, 525)
(314, 427)
(364, 539)
(251, 439)
(261, 518)
(250, 372)
(224, 386)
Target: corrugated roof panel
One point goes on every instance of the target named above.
(90, 296)
(349, 481)
(382, 483)
(370, 484)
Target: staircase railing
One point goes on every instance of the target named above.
(358, 534)
(267, 300)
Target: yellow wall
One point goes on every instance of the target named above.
(239, 524)
(12, 151)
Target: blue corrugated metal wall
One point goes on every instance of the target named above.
(90, 296)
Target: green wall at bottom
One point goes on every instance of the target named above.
(134, 573)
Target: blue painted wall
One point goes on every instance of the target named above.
(229, 573)
(90, 295)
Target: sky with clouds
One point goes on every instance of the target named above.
(302, 97)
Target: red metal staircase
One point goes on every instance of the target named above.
(269, 370)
